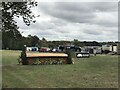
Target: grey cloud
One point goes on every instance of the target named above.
(75, 20)
(38, 26)
(59, 10)
(87, 6)
(92, 32)
(58, 22)
(79, 12)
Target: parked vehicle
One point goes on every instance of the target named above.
(82, 54)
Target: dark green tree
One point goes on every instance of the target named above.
(44, 43)
(10, 10)
(76, 42)
(34, 40)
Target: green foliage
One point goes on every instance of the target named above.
(17, 44)
(33, 40)
(11, 9)
(43, 42)
(76, 42)
(23, 57)
(11, 37)
(69, 59)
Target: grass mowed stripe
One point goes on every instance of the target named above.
(96, 71)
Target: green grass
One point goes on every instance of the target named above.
(95, 72)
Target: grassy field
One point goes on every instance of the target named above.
(99, 71)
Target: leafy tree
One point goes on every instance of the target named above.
(34, 40)
(31, 40)
(43, 42)
(10, 10)
(76, 42)
(69, 59)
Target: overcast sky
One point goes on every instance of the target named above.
(85, 21)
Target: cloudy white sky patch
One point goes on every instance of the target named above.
(85, 21)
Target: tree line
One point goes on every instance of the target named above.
(9, 41)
